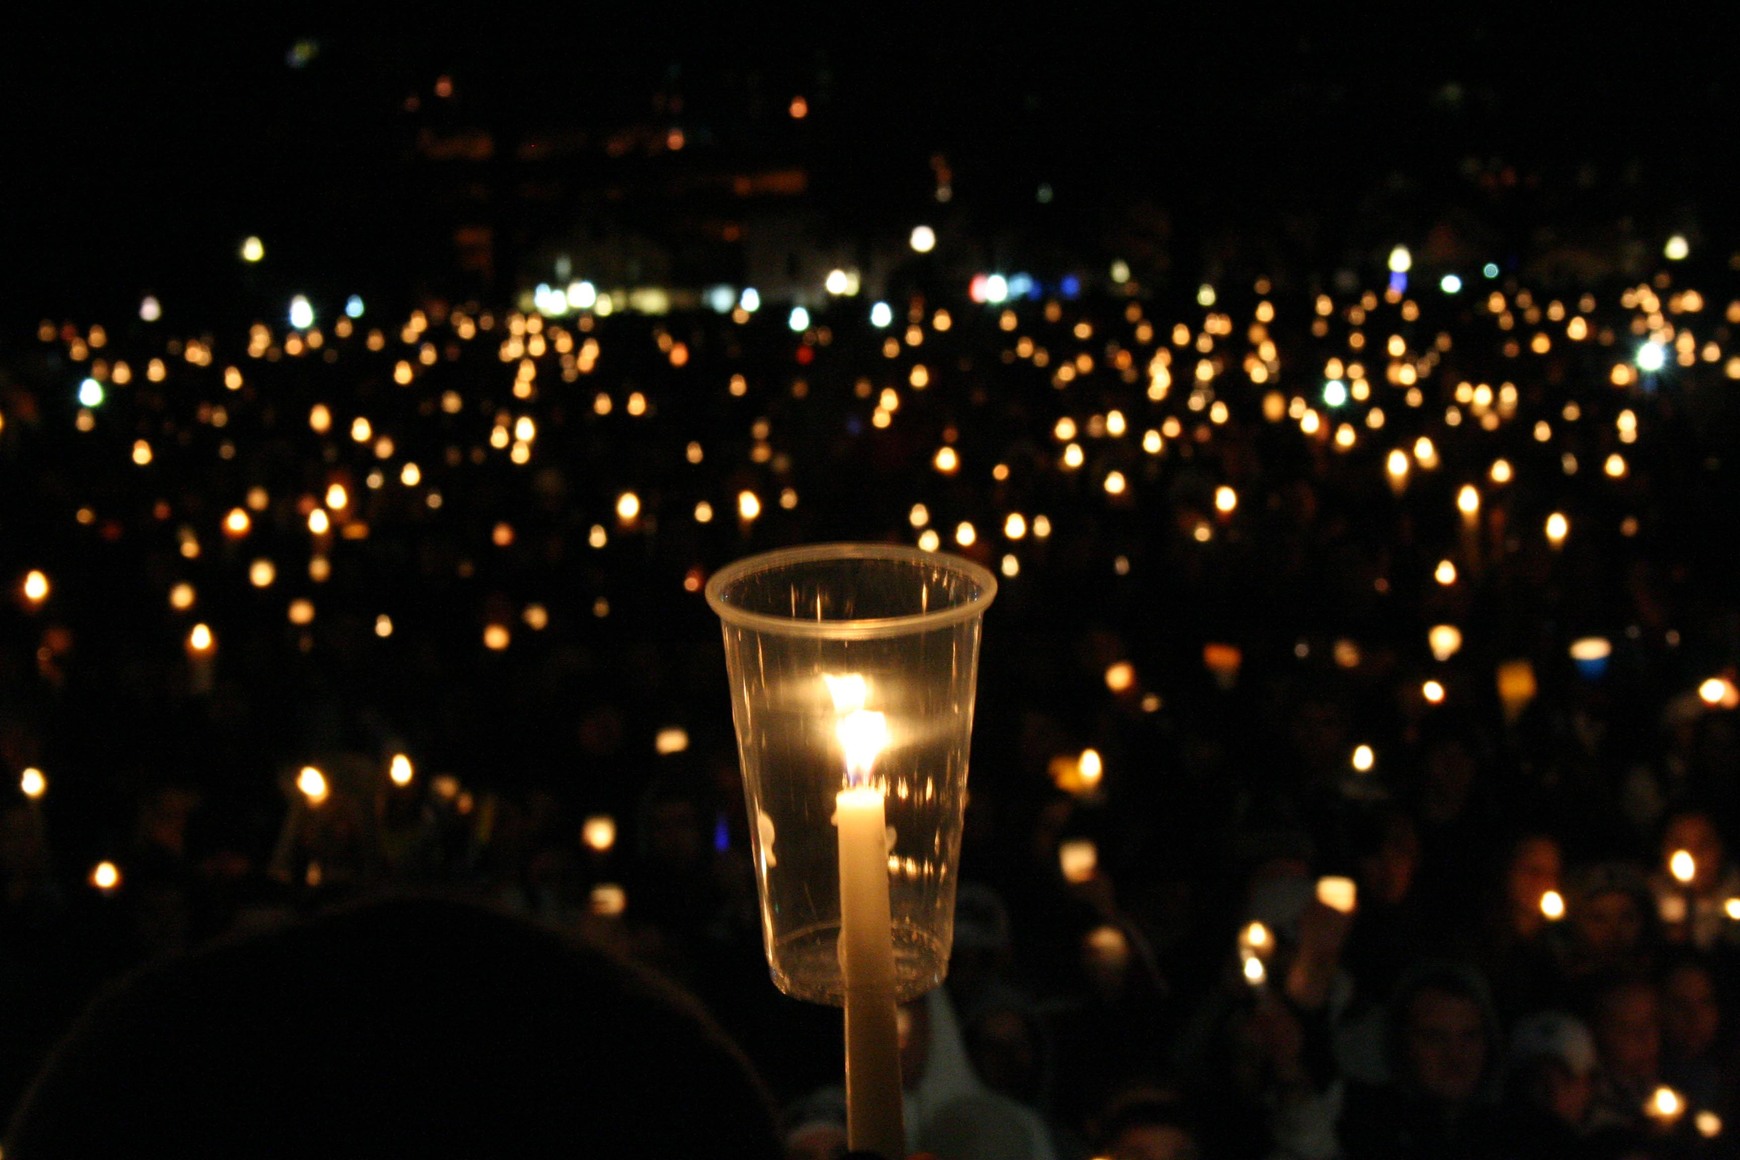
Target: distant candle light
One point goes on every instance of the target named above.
(313, 785)
(1337, 893)
(598, 833)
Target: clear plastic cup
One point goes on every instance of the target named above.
(814, 635)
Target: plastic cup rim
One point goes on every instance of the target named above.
(861, 629)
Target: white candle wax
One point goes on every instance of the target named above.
(873, 1095)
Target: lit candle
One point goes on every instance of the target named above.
(1337, 893)
(1079, 859)
(874, 1115)
(1665, 1106)
(1468, 503)
(201, 645)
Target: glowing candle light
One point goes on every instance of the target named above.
(1223, 662)
(106, 877)
(1552, 905)
(1665, 1105)
(608, 899)
(399, 770)
(1079, 860)
(1719, 693)
(598, 832)
(873, 1092)
(32, 783)
(1558, 527)
(1363, 759)
(1516, 687)
(201, 644)
(1683, 867)
(1090, 767)
(313, 785)
(1255, 941)
(1396, 467)
(1337, 893)
(1255, 972)
(1590, 654)
(35, 586)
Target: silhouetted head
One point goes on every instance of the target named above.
(413, 1027)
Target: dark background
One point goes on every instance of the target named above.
(139, 146)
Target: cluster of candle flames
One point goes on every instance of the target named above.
(1372, 384)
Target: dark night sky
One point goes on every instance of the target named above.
(140, 147)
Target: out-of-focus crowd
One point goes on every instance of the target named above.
(1423, 590)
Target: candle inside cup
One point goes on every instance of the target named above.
(873, 1094)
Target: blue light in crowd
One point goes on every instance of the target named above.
(1490, 269)
(881, 315)
(799, 319)
(721, 299)
(721, 834)
(1450, 284)
(1023, 286)
(1070, 286)
(353, 306)
(1398, 282)
(750, 299)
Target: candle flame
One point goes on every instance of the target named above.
(1665, 1102)
(1091, 768)
(1337, 893)
(863, 734)
(1682, 866)
(1553, 905)
(850, 691)
(313, 785)
(599, 832)
(400, 770)
(1256, 941)
(105, 876)
(32, 783)
(1078, 859)
(1255, 972)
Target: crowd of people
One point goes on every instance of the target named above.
(1423, 585)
